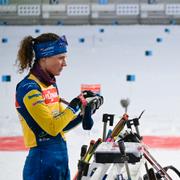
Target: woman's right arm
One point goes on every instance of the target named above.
(40, 112)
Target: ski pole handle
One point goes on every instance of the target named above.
(119, 126)
(83, 151)
(89, 150)
(122, 147)
(99, 141)
(82, 165)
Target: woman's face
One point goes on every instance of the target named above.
(54, 64)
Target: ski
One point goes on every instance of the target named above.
(155, 164)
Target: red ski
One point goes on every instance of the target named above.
(155, 164)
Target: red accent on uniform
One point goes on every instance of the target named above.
(17, 104)
(50, 95)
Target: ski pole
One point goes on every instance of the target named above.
(147, 170)
(82, 163)
(108, 135)
(125, 157)
(106, 118)
(91, 152)
(92, 143)
(108, 171)
(153, 162)
(64, 101)
(83, 151)
(88, 157)
(119, 177)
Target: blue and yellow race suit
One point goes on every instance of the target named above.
(44, 121)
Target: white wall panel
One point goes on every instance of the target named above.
(29, 10)
(127, 9)
(173, 9)
(78, 10)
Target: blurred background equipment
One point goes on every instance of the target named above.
(125, 103)
(78, 12)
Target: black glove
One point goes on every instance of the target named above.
(87, 121)
(78, 103)
(88, 94)
(75, 104)
(95, 102)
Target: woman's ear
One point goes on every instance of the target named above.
(43, 58)
(42, 62)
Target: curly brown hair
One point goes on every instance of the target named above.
(25, 56)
